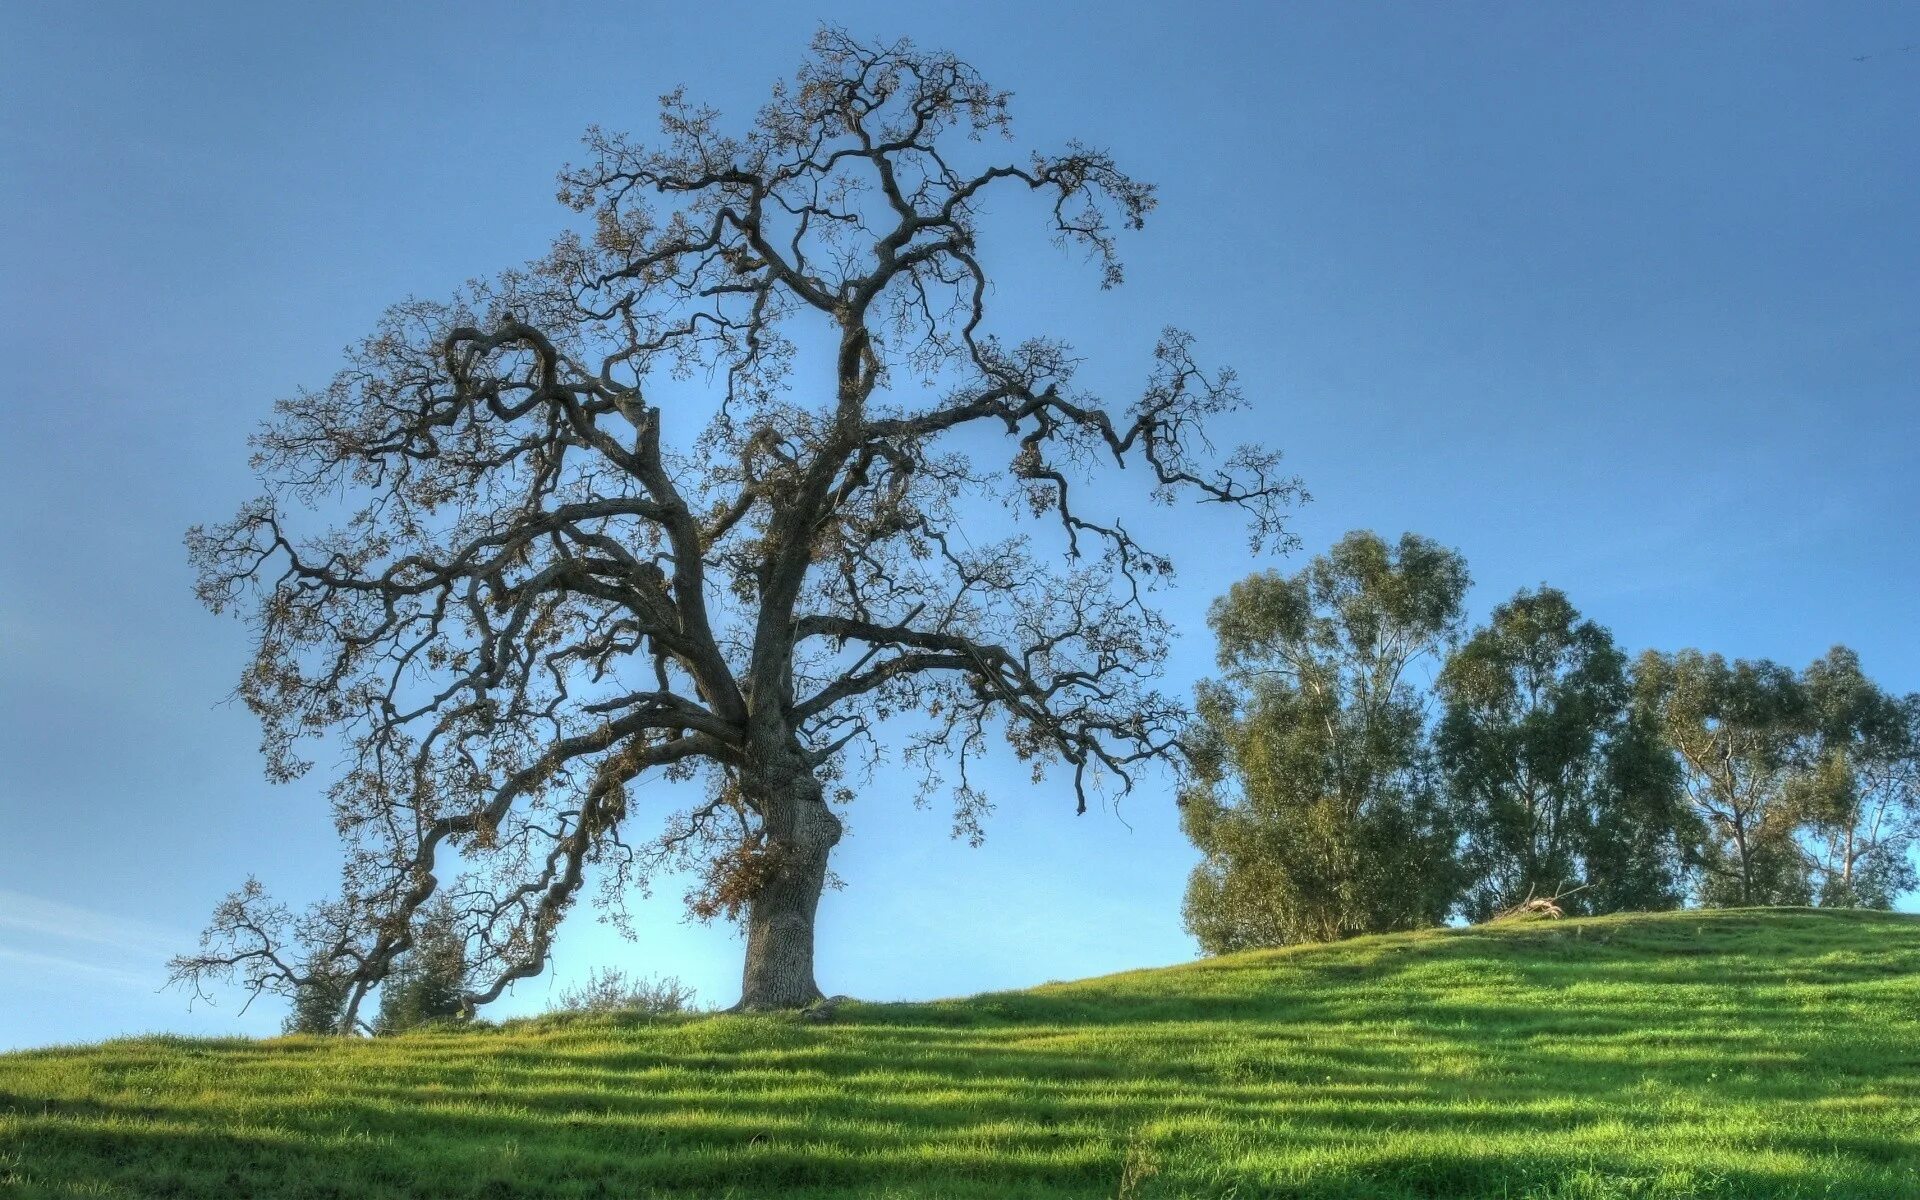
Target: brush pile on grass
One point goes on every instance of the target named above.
(1535, 908)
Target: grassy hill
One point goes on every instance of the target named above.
(1736, 1054)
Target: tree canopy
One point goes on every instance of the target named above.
(548, 585)
(1327, 798)
(1858, 794)
(1737, 729)
(1311, 802)
(1558, 792)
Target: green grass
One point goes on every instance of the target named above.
(1728, 1054)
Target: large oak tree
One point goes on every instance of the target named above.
(549, 581)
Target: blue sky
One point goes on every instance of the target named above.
(1622, 298)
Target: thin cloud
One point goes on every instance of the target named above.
(31, 915)
(98, 972)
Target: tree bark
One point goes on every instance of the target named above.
(801, 832)
(1746, 863)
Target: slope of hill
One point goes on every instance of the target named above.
(1727, 1054)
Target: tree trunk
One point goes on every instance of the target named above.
(1846, 871)
(1746, 863)
(801, 832)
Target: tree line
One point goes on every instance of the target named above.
(1336, 791)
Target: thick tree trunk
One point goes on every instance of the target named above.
(801, 832)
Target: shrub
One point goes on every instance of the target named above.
(317, 1005)
(611, 990)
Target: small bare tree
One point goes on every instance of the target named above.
(540, 598)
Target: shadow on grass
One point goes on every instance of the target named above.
(1584, 1061)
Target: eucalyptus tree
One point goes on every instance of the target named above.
(1738, 730)
(1557, 791)
(560, 576)
(1311, 800)
(1858, 793)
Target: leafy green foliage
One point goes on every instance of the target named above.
(1557, 791)
(1325, 804)
(1858, 794)
(318, 1005)
(1738, 730)
(1686, 1056)
(1643, 848)
(611, 990)
(1311, 801)
(429, 981)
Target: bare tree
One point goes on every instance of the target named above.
(540, 599)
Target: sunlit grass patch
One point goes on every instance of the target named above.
(1728, 1054)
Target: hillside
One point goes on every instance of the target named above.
(1735, 1054)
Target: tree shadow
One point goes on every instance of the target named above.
(1549, 1063)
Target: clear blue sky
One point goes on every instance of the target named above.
(1624, 298)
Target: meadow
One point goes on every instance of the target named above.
(1737, 1053)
